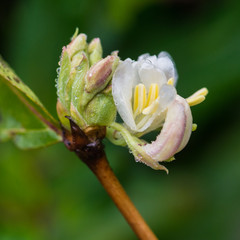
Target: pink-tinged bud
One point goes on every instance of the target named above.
(100, 74)
(76, 45)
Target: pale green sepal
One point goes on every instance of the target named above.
(75, 34)
(77, 117)
(62, 113)
(73, 77)
(77, 95)
(63, 78)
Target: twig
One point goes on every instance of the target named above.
(88, 147)
(100, 167)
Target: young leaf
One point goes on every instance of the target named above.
(36, 138)
(26, 95)
(23, 118)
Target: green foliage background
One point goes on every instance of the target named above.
(50, 194)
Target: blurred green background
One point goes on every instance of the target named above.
(50, 194)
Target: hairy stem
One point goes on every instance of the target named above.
(100, 167)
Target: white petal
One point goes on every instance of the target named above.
(149, 74)
(124, 79)
(167, 65)
(167, 94)
(143, 56)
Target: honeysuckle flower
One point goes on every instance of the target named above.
(143, 89)
(146, 99)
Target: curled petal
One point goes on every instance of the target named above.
(175, 133)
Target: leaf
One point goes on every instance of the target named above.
(23, 118)
(36, 138)
(26, 95)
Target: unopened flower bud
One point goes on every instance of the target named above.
(95, 51)
(101, 110)
(100, 74)
(77, 44)
(84, 84)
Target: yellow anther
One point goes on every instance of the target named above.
(139, 102)
(152, 94)
(200, 92)
(152, 108)
(170, 81)
(197, 97)
(195, 100)
(194, 127)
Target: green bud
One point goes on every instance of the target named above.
(101, 110)
(78, 91)
(95, 51)
(76, 45)
(84, 84)
(70, 60)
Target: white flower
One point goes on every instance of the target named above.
(143, 89)
(146, 99)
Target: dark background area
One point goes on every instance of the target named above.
(50, 194)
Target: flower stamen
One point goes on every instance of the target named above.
(139, 102)
(195, 100)
(152, 108)
(194, 127)
(170, 81)
(142, 103)
(197, 97)
(152, 94)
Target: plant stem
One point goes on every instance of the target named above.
(100, 167)
(90, 150)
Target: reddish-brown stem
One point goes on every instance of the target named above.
(88, 147)
(100, 167)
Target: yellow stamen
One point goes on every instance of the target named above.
(200, 92)
(152, 108)
(170, 81)
(152, 94)
(195, 100)
(197, 97)
(194, 127)
(139, 102)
